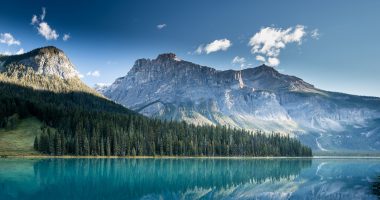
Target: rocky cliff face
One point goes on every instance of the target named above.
(46, 68)
(44, 61)
(254, 98)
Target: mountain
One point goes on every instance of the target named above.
(101, 87)
(45, 108)
(46, 68)
(254, 98)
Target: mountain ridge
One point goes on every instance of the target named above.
(255, 98)
(75, 121)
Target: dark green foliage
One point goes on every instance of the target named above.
(83, 124)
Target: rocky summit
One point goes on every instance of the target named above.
(255, 98)
(46, 68)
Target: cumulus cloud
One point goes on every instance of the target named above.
(7, 38)
(161, 26)
(269, 41)
(45, 30)
(216, 45)
(43, 27)
(66, 37)
(273, 61)
(260, 58)
(95, 73)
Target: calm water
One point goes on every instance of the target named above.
(188, 178)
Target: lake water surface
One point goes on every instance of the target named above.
(188, 178)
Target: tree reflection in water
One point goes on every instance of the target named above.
(136, 178)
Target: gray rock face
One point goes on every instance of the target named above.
(43, 61)
(254, 98)
(46, 68)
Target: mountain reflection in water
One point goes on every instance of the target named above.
(187, 178)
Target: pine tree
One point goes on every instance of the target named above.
(108, 147)
(36, 143)
(86, 147)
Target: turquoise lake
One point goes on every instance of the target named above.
(188, 178)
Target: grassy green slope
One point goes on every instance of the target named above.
(19, 140)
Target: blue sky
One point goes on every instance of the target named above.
(341, 55)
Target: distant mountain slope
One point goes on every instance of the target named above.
(254, 98)
(46, 68)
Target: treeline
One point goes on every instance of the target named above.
(83, 124)
(166, 139)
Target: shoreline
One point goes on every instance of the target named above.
(182, 157)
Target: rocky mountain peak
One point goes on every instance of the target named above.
(165, 64)
(44, 61)
(167, 56)
(166, 67)
(46, 68)
(266, 69)
(45, 50)
(253, 98)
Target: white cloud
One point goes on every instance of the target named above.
(66, 37)
(45, 30)
(199, 50)
(34, 20)
(20, 51)
(216, 45)
(269, 41)
(95, 73)
(101, 86)
(43, 27)
(238, 60)
(315, 34)
(7, 38)
(260, 58)
(161, 26)
(43, 14)
(274, 62)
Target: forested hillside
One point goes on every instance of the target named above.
(78, 123)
